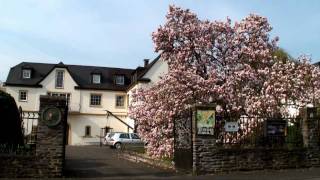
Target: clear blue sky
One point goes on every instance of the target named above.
(117, 33)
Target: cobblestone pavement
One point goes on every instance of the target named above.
(103, 162)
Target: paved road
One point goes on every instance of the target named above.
(96, 162)
(103, 162)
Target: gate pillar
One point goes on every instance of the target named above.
(50, 145)
(311, 133)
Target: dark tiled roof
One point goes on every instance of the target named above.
(39, 71)
(317, 63)
(80, 74)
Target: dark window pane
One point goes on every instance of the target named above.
(124, 136)
(59, 79)
(120, 101)
(134, 136)
(119, 80)
(88, 131)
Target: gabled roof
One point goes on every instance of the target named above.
(80, 74)
(141, 71)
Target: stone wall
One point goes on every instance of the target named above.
(50, 145)
(48, 157)
(19, 166)
(208, 157)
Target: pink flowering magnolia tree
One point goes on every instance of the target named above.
(228, 63)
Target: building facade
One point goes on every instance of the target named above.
(2, 87)
(98, 97)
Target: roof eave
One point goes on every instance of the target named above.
(23, 85)
(99, 89)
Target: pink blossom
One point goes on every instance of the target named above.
(229, 63)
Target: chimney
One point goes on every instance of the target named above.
(146, 62)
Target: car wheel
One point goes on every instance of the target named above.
(117, 145)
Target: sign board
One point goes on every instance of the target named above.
(205, 121)
(275, 128)
(231, 127)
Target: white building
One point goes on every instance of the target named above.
(98, 97)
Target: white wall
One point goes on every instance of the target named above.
(159, 69)
(69, 87)
(33, 99)
(77, 123)
(108, 102)
(48, 85)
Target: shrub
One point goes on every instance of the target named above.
(10, 129)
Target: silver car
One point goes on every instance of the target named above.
(120, 140)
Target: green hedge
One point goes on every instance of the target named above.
(10, 129)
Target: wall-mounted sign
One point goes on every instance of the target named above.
(231, 127)
(205, 120)
(51, 116)
(275, 128)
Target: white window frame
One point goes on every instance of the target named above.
(92, 100)
(96, 78)
(124, 99)
(26, 73)
(119, 79)
(26, 95)
(56, 84)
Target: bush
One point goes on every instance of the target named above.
(10, 129)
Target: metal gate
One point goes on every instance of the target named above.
(29, 125)
(183, 142)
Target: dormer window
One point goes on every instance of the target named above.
(119, 80)
(134, 77)
(96, 78)
(26, 73)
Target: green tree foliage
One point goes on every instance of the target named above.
(282, 55)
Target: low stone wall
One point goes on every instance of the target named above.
(19, 166)
(217, 160)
